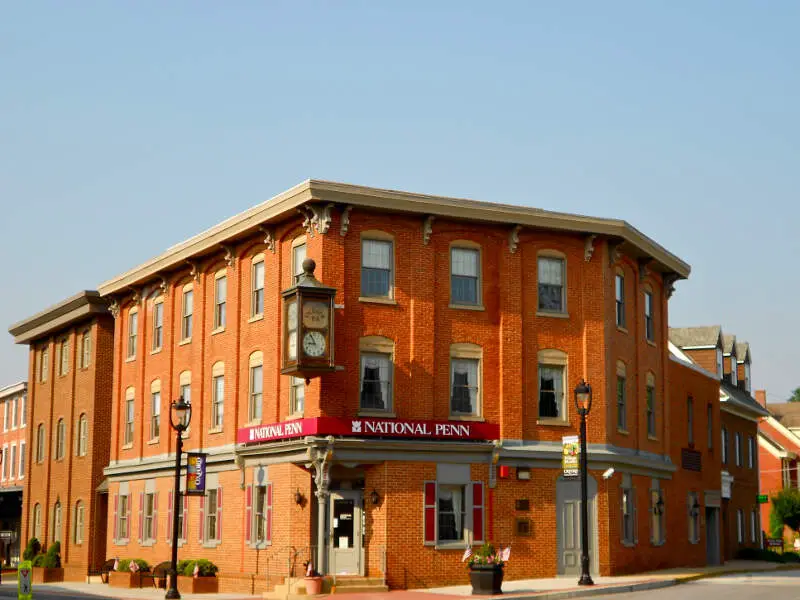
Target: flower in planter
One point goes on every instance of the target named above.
(487, 555)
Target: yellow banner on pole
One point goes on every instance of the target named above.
(24, 580)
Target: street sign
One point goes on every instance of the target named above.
(6, 535)
(24, 585)
(762, 499)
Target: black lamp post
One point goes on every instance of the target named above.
(179, 417)
(583, 402)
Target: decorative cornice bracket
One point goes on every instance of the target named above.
(614, 253)
(669, 284)
(113, 308)
(427, 229)
(308, 222)
(644, 268)
(345, 224)
(513, 239)
(194, 267)
(322, 217)
(230, 255)
(588, 249)
(269, 237)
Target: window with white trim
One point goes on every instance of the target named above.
(61, 435)
(14, 411)
(260, 513)
(650, 405)
(129, 414)
(83, 435)
(257, 286)
(123, 511)
(724, 445)
(80, 519)
(217, 396)
(452, 512)
(620, 299)
(86, 349)
(4, 455)
(753, 525)
(158, 326)
(734, 374)
(155, 414)
(552, 383)
(37, 521)
(465, 380)
(747, 377)
(649, 326)
(256, 386)
(211, 516)
(187, 312)
(220, 299)
(40, 442)
(63, 368)
(658, 518)
(465, 264)
(23, 416)
(551, 273)
(133, 326)
(21, 459)
(13, 462)
(297, 394)
(377, 261)
(719, 363)
(740, 526)
(628, 509)
(185, 392)
(298, 256)
(737, 447)
(148, 514)
(376, 374)
(751, 452)
(44, 364)
(6, 414)
(57, 520)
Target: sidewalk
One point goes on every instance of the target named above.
(537, 589)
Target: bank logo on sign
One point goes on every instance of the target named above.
(356, 427)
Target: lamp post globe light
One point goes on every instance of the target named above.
(180, 415)
(583, 403)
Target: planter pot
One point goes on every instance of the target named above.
(313, 585)
(124, 579)
(44, 575)
(197, 585)
(486, 579)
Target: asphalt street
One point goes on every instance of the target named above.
(767, 586)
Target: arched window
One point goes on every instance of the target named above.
(37, 521)
(61, 435)
(57, 522)
(40, 440)
(83, 434)
(79, 520)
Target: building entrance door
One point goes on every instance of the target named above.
(568, 525)
(344, 549)
(712, 536)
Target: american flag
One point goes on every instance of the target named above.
(505, 554)
(196, 571)
(116, 564)
(467, 554)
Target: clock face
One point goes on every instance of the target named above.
(315, 315)
(291, 350)
(314, 344)
(291, 316)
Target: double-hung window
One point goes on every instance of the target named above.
(737, 448)
(751, 452)
(260, 516)
(149, 514)
(256, 386)
(551, 278)
(79, 522)
(452, 500)
(220, 299)
(622, 397)
(552, 367)
(377, 262)
(649, 327)
(40, 442)
(628, 509)
(298, 256)
(376, 381)
(740, 526)
(86, 349)
(724, 446)
(44, 364)
(734, 374)
(129, 413)
(61, 435)
(257, 285)
(212, 508)
(133, 326)
(620, 299)
(753, 525)
(185, 383)
(187, 310)
(123, 511)
(83, 435)
(158, 326)
(13, 463)
(465, 276)
(658, 518)
(297, 395)
(465, 387)
(155, 414)
(747, 376)
(63, 368)
(650, 405)
(21, 460)
(217, 401)
(719, 363)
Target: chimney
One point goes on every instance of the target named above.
(761, 397)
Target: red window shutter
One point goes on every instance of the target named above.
(116, 520)
(248, 513)
(185, 530)
(155, 515)
(200, 527)
(268, 515)
(141, 515)
(430, 512)
(477, 511)
(170, 501)
(219, 514)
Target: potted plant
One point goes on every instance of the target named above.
(47, 565)
(197, 577)
(313, 580)
(127, 573)
(486, 569)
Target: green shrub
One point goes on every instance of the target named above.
(766, 555)
(52, 558)
(38, 560)
(785, 511)
(32, 549)
(205, 568)
(125, 564)
(790, 557)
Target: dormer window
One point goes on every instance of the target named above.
(747, 377)
(733, 371)
(719, 363)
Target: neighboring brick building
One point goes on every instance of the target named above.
(68, 420)
(778, 450)
(709, 348)
(13, 400)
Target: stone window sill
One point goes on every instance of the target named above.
(211, 543)
(377, 300)
(376, 413)
(127, 446)
(130, 359)
(476, 307)
(474, 418)
(147, 543)
(652, 343)
(622, 329)
(254, 318)
(652, 438)
(152, 442)
(184, 342)
(121, 542)
(554, 422)
(623, 431)
(215, 430)
(218, 330)
(555, 315)
(629, 544)
(156, 350)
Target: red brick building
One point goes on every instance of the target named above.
(13, 402)
(68, 429)
(461, 330)
(778, 449)
(718, 353)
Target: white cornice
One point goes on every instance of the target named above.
(286, 203)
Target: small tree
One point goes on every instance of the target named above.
(32, 549)
(52, 559)
(785, 511)
(795, 397)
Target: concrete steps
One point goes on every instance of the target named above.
(353, 585)
(295, 588)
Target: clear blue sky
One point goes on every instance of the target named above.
(126, 127)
